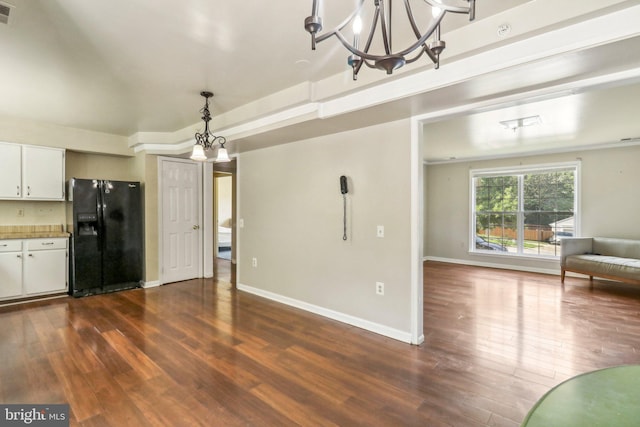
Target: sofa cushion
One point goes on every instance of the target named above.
(624, 248)
(602, 264)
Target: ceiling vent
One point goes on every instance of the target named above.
(5, 13)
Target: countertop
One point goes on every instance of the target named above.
(32, 232)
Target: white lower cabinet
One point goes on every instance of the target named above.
(10, 268)
(33, 267)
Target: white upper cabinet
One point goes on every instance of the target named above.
(10, 171)
(31, 172)
(42, 173)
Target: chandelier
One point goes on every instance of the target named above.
(381, 16)
(206, 140)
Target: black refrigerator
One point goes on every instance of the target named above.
(106, 238)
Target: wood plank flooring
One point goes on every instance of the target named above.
(200, 353)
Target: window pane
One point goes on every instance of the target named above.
(510, 234)
(492, 232)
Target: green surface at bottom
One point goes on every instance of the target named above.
(608, 398)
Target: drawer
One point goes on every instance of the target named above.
(45, 244)
(10, 245)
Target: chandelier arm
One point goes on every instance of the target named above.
(422, 52)
(355, 51)
(412, 21)
(435, 23)
(374, 26)
(343, 24)
(386, 35)
(453, 9)
(368, 64)
(416, 31)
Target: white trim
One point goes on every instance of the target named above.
(331, 314)
(151, 284)
(417, 225)
(575, 148)
(169, 148)
(521, 169)
(159, 197)
(555, 272)
(277, 120)
(26, 301)
(207, 220)
(552, 272)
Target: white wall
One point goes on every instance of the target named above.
(223, 191)
(290, 202)
(610, 202)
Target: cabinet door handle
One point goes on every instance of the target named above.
(4, 245)
(46, 243)
(31, 255)
(28, 190)
(19, 256)
(18, 190)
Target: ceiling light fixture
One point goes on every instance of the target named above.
(521, 122)
(381, 16)
(206, 140)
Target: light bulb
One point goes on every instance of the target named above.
(357, 25)
(435, 11)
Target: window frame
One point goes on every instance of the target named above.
(519, 171)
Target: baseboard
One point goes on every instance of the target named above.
(331, 314)
(7, 303)
(151, 284)
(555, 272)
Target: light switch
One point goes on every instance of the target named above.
(380, 232)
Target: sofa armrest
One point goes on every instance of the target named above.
(574, 246)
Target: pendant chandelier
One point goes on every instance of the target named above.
(427, 41)
(206, 140)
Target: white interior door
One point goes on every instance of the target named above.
(180, 221)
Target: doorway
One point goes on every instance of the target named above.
(223, 233)
(224, 218)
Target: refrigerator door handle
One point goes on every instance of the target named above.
(100, 212)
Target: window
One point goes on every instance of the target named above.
(524, 211)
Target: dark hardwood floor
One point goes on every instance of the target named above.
(201, 353)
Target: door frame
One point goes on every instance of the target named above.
(201, 249)
(216, 202)
(207, 222)
(208, 253)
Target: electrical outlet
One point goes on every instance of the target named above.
(379, 288)
(45, 211)
(380, 231)
(20, 212)
(254, 262)
(241, 223)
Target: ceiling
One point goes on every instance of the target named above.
(128, 66)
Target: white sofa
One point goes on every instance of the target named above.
(609, 258)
